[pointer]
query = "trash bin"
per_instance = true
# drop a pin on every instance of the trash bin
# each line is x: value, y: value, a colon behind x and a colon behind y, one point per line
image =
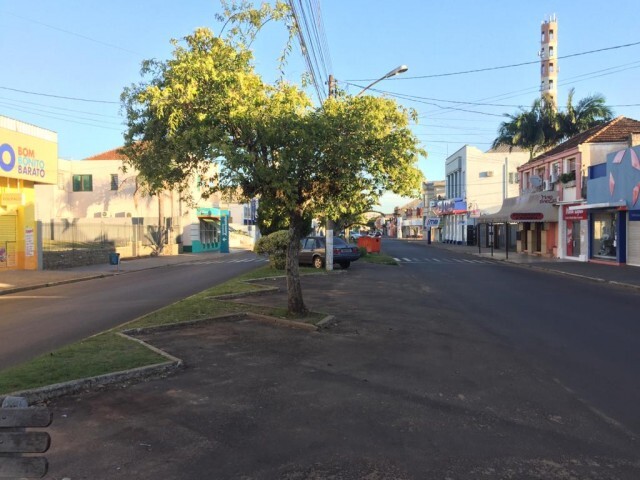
x: 114, y: 258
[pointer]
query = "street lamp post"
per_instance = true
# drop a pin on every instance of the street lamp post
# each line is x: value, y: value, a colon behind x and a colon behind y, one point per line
x: 392, y: 73
x: 328, y: 247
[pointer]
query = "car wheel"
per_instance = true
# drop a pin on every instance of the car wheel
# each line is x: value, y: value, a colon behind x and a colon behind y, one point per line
x: 345, y: 265
x: 317, y: 262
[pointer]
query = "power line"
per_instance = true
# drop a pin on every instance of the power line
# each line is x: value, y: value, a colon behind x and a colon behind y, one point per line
x: 502, y: 67
x: 69, y: 32
x: 58, y: 96
x: 14, y: 101
x: 36, y: 110
x: 411, y: 99
x: 63, y: 119
x: 312, y: 42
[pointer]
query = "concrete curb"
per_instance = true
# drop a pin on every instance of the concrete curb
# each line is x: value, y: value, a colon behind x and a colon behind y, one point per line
x: 261, y: 291
x: 571, y: 274
x: 26, y: 288
x: 325, y: 321
x: 550, y: 269
x: 42, y: 394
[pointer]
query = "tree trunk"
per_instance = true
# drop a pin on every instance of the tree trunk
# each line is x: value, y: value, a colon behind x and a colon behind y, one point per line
x: 295, y: 303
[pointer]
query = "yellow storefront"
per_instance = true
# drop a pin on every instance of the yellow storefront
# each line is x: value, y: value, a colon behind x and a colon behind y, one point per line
x: 28, y: 156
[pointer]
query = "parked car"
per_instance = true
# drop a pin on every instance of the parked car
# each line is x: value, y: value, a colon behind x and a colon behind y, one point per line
x: 354, y: 236
x: 312, y: 252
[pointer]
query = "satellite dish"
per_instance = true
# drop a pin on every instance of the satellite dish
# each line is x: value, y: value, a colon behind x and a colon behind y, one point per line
x: 536, y: 181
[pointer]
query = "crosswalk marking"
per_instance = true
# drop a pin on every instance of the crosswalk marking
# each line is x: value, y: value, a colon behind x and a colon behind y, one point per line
x: 230, y: 260
x: 441, y: 261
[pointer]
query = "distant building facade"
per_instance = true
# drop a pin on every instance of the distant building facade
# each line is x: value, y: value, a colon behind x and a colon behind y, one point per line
x: 476, y: 183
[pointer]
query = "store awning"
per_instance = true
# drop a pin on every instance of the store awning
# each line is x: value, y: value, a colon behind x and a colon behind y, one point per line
x: 533, y: 207
x: 588, y: 206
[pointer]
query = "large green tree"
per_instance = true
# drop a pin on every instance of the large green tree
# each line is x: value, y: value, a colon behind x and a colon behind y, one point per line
x: 207, y: 104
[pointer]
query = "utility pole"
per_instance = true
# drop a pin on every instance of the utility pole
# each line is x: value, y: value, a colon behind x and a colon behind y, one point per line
x: 328, y: 240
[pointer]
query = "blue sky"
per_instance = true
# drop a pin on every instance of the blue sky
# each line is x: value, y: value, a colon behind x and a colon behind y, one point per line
x: 92, y: 50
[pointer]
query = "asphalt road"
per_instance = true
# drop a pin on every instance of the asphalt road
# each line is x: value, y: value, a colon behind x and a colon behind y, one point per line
x: 39, y: 321
x: 586, y: 335
x: 441, y: 368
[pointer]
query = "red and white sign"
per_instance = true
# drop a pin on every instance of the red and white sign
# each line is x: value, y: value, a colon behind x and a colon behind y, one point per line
x: 579, y: 214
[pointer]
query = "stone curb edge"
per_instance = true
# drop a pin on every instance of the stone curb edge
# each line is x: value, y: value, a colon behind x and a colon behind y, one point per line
x: 26, y: 288
x: 571, y: 274
x: 553, y: 270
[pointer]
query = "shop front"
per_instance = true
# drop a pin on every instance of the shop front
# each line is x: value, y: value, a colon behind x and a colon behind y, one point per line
x: 28, y: 156
x: 453, y: 214
x: 613, y: 200
x: 210, y: 233
x: 533, y: 216
x: 573, y: 232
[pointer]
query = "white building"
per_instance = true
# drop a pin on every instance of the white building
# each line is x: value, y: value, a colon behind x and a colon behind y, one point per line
x: 98, y: 191
x: 476, y: 183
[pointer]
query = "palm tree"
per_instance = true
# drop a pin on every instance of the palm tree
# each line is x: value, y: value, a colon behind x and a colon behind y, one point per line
x: 589, y: 112
x: 542, y: 127
x: 533, y: 130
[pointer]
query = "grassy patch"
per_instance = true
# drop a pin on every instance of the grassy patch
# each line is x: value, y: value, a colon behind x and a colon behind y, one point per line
x: 104, y: 353
x: 109, y: 352
x: 379, y: 258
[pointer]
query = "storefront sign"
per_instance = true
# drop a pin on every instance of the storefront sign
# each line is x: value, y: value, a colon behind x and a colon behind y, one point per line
x: 575, y: 214
x: 453, y: 206
x: 432, y: 222
x: 11, y: 199
x: 634, y: 215
x: 27, y: 157
x: 29, y: 244
x: 526, y: 217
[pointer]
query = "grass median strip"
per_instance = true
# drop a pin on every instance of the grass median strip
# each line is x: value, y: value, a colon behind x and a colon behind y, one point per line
x: 109, y: 352
x: 378, y: 258
x: 91, y: 357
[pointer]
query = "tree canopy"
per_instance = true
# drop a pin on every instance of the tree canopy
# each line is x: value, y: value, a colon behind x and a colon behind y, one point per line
x: 207, y: 105
x: 542, y: 126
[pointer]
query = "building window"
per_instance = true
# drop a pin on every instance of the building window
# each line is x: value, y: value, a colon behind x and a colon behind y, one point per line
x: 114, y: 181
x: 550, y: 84
x: 82, y: 183
x: 550, y: 34
x: 514, y: 178
x: 542, y: 36
x: 550, y: 52
x: 542, y: 69
x: 570, y: 165
x: 551, y: 68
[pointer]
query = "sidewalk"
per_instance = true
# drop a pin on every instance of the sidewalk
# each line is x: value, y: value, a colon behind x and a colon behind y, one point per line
x: 14, y: 281
x: 624, y: 275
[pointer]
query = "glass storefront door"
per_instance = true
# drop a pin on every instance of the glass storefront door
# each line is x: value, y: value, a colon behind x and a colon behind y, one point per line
x: 605, y: 242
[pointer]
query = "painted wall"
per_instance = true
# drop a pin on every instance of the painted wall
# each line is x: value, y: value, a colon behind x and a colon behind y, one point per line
x: 621, y: 180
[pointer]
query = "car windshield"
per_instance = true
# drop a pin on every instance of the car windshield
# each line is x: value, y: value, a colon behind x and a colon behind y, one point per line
x: 338, y: 242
